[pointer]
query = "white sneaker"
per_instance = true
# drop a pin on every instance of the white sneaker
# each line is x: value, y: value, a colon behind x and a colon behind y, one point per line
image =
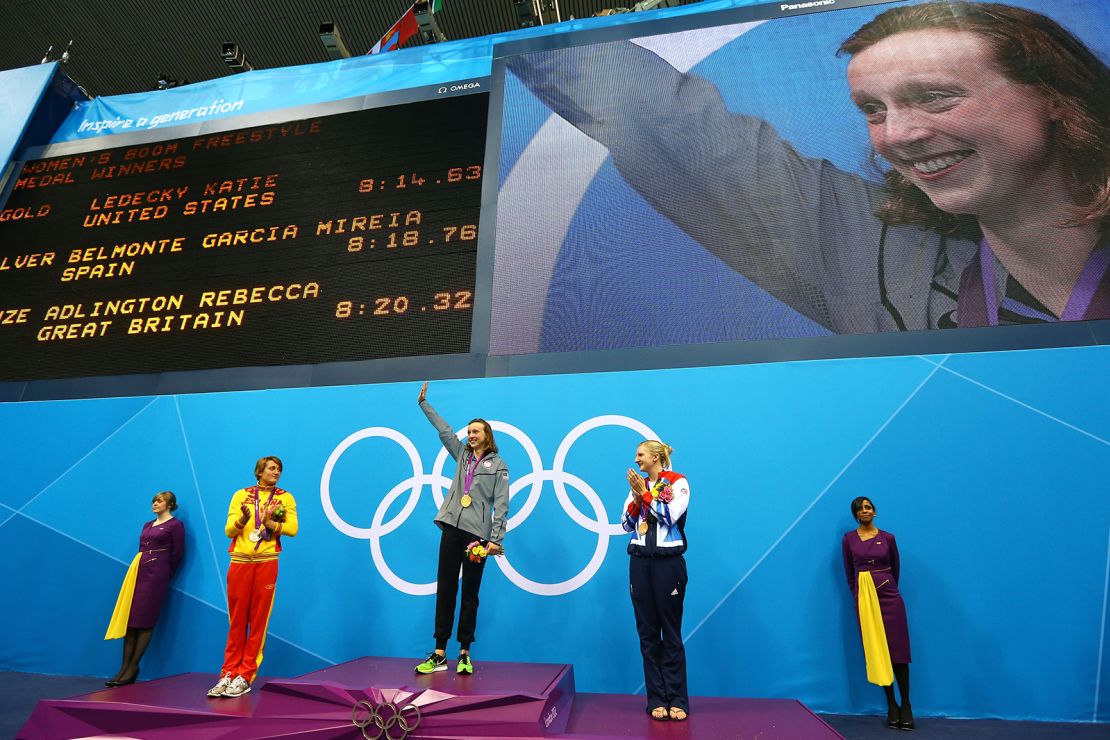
x: 238, y: 687
x: 220, y: 687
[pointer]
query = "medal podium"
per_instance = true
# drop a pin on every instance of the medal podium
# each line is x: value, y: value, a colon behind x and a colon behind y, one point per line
x: 378, y: 698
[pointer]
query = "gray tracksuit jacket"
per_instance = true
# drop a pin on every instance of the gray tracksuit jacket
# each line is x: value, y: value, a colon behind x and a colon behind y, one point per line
x: 487, y: 516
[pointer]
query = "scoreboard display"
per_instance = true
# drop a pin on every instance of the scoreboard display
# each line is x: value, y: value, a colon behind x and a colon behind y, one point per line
x: 344, y: 237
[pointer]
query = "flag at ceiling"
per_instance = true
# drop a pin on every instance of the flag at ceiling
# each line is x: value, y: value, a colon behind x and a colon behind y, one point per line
x: 403, y: 30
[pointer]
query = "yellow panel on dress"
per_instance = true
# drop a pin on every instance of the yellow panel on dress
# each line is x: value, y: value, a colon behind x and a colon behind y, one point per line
x: 875, y: 650
x: 117, y: 627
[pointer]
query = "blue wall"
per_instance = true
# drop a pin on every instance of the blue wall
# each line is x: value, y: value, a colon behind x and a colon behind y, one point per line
x: 988, y: 467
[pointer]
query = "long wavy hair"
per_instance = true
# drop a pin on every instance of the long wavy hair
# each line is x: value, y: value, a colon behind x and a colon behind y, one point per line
x: 1030, y: 49
x: 491, y: 443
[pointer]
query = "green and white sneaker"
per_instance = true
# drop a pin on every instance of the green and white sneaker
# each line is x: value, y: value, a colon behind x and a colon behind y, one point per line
x: 434, y: 663
x: 465, y: 666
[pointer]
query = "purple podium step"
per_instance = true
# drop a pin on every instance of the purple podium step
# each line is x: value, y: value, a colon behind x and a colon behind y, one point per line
x: 607, y: 716
x: 500, y: 700
x: 169, y: 708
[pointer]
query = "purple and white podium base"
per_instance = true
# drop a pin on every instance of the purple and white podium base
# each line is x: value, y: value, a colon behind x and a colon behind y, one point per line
x: 380, y: 698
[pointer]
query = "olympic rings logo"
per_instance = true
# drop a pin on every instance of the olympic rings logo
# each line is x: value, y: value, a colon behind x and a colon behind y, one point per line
x: 559, y: 477
x: 383, y: 718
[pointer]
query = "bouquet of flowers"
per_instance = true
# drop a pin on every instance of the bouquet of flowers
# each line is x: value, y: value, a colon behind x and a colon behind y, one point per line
x: 476, y: 552
x: 278, y: 514
x: 663, y: 491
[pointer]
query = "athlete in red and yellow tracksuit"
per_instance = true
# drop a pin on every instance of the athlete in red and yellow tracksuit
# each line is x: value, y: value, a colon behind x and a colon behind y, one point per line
x: 256, y: 525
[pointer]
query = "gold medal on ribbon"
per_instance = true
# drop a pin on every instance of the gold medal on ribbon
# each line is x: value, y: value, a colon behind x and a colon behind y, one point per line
x: 466, y: 500
x: 642, y: 529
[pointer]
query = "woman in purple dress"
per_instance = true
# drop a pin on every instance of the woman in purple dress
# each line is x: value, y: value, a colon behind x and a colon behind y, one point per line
x: 161, y: 547
x: 868, y: 549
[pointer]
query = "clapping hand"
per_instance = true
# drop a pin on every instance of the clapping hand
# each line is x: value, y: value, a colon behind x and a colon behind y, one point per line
x: 423, y: 393
x: 639, y: 488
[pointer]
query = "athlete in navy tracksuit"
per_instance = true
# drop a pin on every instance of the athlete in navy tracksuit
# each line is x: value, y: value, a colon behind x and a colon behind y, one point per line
x: 655, y: 513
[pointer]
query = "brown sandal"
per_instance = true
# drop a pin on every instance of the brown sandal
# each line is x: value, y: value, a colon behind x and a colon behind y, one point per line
x: 678, y: 714
x: 659, y: 714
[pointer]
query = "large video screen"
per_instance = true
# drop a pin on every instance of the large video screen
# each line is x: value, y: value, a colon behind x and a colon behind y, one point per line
x: 895, y: 167
x: 344, y: 237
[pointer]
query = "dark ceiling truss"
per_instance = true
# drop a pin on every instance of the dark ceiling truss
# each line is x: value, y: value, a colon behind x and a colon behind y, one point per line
x: 122, y: 46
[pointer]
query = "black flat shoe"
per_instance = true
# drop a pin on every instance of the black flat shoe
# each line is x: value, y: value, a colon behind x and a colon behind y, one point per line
x: 111, y: 683
x: 905, y: 719
x: 892, y: 720
x: 906, y: 725
x: 126, y: 681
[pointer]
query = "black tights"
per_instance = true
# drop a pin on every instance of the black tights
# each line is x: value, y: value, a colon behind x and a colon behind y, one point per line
x: 902, y: 676
x: 135, y: 643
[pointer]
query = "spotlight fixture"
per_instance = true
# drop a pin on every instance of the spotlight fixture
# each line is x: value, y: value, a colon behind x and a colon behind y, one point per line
x: 62, y: 59
x: 165, y: 82
x: 233, y: 57
x: 332, y: 41
x: 424, y: 10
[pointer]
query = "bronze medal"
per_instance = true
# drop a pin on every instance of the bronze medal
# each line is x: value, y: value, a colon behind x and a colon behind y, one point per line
x: 466, y: 500
x: 643, y: 528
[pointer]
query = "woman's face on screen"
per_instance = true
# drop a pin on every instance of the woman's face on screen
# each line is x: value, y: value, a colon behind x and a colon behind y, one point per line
x: 945, y: 116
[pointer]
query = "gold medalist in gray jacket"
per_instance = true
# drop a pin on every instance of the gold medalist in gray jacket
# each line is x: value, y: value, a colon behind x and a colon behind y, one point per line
x: 488, y: 513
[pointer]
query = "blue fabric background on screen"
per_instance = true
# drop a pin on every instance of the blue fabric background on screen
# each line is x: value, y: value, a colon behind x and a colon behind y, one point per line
x: 989, y: 468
